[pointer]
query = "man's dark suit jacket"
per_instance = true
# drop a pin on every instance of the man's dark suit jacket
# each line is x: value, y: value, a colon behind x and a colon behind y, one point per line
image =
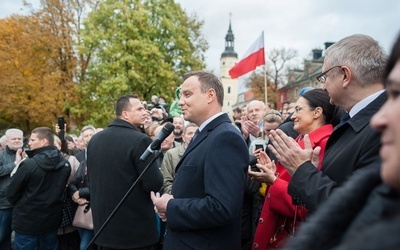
x: 80, y: 156
x: 352, y: 146
x: 208, y: 190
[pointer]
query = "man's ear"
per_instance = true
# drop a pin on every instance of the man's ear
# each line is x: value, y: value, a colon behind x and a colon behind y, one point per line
x: 44, y: 142
x: 211, y: 95
x: 124, y: 115
x: 346, y: 75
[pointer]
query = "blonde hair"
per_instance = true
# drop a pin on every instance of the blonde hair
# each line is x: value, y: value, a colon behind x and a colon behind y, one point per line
x: 57, y: 140
x: 273, y: 115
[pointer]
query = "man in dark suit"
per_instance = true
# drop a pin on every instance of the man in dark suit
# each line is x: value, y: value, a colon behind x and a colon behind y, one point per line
x: 352, y: 75
x: 204, y: 210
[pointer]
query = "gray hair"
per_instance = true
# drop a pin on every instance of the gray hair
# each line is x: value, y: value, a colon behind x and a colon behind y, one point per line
x: 87, y: 128
x: 13, y: 130
x: 2, y: 139
x: 362, y: 54
x: 258, y: 102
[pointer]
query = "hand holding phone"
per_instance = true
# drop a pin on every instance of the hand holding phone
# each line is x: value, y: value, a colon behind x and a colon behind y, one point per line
x: 258, y: 146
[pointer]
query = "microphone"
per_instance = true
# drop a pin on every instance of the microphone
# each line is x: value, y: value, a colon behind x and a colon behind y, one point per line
x: 156, y: 144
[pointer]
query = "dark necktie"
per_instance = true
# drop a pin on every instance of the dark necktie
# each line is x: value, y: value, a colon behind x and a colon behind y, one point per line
x: 344, y: 118
x: 195, y: 134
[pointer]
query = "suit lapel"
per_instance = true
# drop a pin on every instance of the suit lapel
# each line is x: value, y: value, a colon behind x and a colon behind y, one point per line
x: 203, y: 135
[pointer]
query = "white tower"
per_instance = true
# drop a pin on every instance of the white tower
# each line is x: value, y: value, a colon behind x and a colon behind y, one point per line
x: 228, y: 59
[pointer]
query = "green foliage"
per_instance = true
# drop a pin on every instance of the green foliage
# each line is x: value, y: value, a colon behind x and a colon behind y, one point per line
x: 140, y: 47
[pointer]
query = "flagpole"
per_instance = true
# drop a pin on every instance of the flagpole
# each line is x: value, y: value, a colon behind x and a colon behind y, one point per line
x: 265, y: 74
x: 265, y: 85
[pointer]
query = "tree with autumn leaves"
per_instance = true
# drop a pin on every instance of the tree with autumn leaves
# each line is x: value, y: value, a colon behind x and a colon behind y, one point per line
x: 36, y: 73
x: 65, y: 60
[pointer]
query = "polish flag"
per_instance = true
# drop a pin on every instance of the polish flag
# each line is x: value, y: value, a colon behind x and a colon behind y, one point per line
x: 253, y: 58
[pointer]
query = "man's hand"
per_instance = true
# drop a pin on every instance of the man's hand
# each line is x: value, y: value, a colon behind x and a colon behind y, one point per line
x: 245, y: 131
x: 288, y: 151
x: 19, y: 156
x: 160, y: 204
x: 254, y: 129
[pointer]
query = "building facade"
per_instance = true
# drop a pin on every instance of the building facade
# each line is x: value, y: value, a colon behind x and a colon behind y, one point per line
x: 300, y: 78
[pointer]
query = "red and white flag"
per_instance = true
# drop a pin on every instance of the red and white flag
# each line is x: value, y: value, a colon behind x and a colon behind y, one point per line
x: 253, y: 58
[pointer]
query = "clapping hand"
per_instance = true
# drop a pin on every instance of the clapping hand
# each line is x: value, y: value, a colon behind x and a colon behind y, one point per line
x: 289, y: 153
x: 267, y: 169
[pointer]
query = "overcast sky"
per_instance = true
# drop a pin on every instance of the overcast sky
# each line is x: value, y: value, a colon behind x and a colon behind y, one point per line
x: 298, y: 24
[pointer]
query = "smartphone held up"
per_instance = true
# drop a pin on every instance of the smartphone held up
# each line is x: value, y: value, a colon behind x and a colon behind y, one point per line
x: 61, y: 124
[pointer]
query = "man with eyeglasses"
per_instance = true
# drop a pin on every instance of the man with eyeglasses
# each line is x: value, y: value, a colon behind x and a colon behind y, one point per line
x: 352, y: 75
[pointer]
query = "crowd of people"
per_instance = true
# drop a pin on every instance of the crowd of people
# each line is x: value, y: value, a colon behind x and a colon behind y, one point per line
x: 322, y: 172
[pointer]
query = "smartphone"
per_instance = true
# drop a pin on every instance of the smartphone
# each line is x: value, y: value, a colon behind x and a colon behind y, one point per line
x: 61, y: 123
x: 260, y: 146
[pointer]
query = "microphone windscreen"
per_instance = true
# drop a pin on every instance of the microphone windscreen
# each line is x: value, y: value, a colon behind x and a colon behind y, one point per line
x: 168, y: 128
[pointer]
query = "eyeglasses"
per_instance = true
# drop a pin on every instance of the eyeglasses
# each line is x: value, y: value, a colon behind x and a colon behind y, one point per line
x: 322, y: 77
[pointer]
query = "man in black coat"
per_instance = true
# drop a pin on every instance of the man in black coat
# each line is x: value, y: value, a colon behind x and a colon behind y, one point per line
x: 353, y: 72
x: 113, y: 166
x: 37, y: 192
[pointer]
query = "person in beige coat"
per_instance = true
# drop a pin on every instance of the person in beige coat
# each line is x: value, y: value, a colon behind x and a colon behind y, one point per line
x: 173, y: 156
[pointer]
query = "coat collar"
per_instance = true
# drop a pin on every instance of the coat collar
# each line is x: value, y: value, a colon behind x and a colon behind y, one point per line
x: 10, y: 151
x: 363, y: 117
x: 317, y: 135
x: 203, y: 135
x: 121, y: 123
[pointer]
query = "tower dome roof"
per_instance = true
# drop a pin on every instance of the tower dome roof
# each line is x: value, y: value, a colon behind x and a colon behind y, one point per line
x: 229, y: 44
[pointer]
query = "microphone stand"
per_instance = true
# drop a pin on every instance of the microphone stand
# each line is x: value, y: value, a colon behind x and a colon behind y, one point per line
x: 157, y: 153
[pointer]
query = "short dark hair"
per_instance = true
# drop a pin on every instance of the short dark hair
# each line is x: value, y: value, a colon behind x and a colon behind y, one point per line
x: 207, y: 81
x: 44, y: 133
x: 123, y: 103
